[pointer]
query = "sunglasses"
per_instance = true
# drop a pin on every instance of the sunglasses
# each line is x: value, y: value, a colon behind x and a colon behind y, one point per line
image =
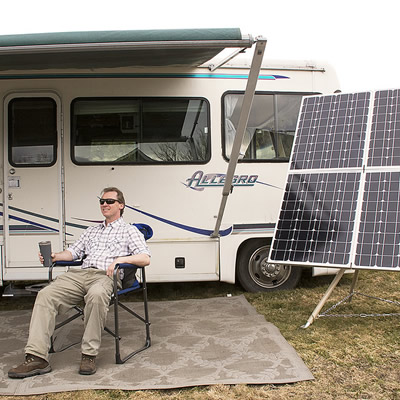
x: 108, y: 201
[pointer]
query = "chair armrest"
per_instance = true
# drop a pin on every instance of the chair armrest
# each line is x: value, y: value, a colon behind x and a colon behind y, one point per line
x: 126, y: 265
x: 129, y: 281
x: 64, y: 264
x: 68, y: 263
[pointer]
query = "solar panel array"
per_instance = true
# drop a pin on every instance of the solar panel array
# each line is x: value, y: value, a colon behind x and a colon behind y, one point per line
x: 341, y: 202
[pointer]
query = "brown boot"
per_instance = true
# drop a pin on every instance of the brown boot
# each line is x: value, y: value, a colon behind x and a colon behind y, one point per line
x: 32, y: 366
x: 88, y: 365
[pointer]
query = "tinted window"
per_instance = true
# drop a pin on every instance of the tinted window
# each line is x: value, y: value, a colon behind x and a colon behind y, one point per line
x: 32, y: 131
x: 270, y: 129
x: 145, y: 130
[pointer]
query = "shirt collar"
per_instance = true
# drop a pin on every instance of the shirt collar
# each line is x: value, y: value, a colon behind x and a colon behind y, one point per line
x: 115, y: 223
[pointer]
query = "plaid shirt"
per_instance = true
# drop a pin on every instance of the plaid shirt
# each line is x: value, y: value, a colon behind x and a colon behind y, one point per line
x: 103, y: 244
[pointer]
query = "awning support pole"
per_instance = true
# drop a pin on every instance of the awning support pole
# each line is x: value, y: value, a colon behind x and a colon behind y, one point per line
x: 244, y: 117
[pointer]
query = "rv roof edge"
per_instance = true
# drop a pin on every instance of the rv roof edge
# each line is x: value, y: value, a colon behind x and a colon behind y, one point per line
x: 243, y: 119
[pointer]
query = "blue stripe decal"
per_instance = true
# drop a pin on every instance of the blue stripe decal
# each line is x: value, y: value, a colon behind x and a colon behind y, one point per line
x: 56, y: 220
x: 32, y: 223
x: 127, y: 75
x: 27, y: 228
x: 199, y: 231
x: 41, y: 226
x: 41, y: 216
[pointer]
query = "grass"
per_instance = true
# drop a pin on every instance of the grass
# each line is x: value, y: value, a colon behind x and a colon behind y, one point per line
x: 350, y: 358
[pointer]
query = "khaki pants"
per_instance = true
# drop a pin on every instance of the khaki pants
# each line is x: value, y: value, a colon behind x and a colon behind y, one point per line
x: 91, y: 285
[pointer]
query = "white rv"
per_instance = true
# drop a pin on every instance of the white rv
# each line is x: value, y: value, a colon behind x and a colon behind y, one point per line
x: 154, y: 113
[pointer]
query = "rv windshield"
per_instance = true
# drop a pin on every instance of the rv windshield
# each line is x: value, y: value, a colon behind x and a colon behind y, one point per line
x: 140, y: 131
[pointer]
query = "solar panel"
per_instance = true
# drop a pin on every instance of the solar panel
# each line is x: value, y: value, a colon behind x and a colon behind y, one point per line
x: 317, y: 219
x: 378, y: 242
x: 341, y: 202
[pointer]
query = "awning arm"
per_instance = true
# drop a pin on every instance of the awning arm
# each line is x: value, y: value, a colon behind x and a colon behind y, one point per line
x: 243, y: 119
x: 213, y: 67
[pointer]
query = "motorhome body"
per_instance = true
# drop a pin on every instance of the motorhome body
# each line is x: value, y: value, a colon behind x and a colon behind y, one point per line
x: 164, y: 136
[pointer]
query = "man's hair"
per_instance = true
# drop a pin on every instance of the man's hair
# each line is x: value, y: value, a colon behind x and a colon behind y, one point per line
x: 120, y: 196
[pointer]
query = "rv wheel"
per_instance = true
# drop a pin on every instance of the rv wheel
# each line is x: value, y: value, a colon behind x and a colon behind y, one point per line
x: 255, y: 274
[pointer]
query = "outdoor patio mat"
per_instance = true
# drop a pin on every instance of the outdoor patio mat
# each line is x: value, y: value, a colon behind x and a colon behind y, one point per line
x: 194, y: 342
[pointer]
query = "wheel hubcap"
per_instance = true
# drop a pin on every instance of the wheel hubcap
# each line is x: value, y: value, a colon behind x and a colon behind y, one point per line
x: 266, y: 274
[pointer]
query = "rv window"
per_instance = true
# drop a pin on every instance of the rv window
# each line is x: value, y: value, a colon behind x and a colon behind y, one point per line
x: 140, y: 131
x: 270, y: 129
x: 32, y: 132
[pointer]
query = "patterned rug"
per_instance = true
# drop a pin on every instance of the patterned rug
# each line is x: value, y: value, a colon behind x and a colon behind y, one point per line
x: 194, y: 342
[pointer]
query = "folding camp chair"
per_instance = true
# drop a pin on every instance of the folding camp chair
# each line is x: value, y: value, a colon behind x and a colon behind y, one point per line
x: 130, y: 284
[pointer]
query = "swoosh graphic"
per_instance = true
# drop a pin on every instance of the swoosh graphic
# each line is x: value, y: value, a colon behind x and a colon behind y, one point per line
x: 205, y: 232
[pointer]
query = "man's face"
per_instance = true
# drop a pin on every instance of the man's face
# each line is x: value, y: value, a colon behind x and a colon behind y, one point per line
x: 111, y: 212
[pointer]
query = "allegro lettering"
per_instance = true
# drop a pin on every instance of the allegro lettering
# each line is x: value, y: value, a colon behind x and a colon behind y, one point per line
x: 199, y: 180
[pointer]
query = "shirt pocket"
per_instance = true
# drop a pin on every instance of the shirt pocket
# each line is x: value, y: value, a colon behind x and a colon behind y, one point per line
x: 92, y: 245
x: 116, y: 248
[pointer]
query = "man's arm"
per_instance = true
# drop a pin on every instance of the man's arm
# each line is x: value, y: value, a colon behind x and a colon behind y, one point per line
x: 141, y: 259
x: 65, y: 255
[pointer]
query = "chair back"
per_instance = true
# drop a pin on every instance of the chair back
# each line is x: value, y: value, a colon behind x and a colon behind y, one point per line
x: 145, y: 230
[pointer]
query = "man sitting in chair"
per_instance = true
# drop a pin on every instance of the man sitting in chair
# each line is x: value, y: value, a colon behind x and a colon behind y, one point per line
x: 105, y: 245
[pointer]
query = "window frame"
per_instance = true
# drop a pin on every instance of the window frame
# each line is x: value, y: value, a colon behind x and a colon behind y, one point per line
x: 134, y: 98
x: 223, y: 125
x: 10, y: 126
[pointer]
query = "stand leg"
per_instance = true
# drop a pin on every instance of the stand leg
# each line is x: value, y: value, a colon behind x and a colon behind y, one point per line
x: 324, y: 299
x: 353, y: 283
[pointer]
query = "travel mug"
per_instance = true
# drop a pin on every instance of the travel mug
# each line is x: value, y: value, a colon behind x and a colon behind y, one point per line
x: 45, y: 251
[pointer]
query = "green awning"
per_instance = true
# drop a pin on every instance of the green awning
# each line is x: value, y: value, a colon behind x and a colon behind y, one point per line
x: 183, y: 47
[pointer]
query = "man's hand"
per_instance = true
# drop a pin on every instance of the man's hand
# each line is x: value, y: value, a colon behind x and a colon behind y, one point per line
x: 41, y: 259
x: 111, y: 267
x: 139, y: 259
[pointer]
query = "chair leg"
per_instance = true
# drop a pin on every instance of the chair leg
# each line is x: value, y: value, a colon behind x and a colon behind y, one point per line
x: 116, y: 332
x: 146, y: 312
x: 118, y: 358
x: 145, y: 320
x: 79, y: 313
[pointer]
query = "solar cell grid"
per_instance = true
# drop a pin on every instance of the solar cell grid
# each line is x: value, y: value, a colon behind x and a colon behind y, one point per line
x: 385, y: 131
x: 331, y: 132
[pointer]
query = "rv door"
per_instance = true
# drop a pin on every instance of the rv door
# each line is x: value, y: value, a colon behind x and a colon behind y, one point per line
x: 33, y: 198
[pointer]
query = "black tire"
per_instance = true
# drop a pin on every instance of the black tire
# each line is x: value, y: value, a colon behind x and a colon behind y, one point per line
x: 255, y: 274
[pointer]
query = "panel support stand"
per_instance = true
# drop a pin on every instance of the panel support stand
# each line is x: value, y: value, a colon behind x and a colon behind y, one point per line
x: 353, y: 283
x: 317, y: 312
x: 324, y: 299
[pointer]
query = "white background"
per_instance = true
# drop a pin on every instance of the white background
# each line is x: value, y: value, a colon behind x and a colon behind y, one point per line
x: 359, y: 38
